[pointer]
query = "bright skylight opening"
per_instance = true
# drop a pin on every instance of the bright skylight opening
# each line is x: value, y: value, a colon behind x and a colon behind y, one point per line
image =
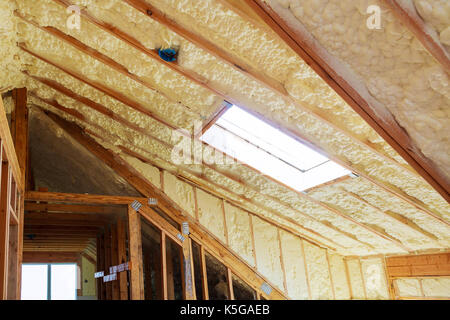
x: 256, y: 143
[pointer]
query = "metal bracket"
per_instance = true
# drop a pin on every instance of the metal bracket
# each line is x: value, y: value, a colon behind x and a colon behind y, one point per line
x: 266, y: 288
x: 185, y: 227
x: 180, y: 236
x: 152, y: 201
x: 136, y: 205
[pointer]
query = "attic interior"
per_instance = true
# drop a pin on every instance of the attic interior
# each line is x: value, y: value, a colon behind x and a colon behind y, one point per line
x: 225, y: 149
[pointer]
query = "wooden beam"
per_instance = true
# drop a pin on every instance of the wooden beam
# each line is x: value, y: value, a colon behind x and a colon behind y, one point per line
x: 101, y: 290
x: 204, y: 274
x: 385, y: 125
x: 114, y: 261
x: 418, y: 265
x: 108, y: 262
x: 122, y: 256
x: 164, y: 265
x: 9, y: 152
x: 49, y: 257
x: 239, y: 65
x: 213, y: 168
x: 72, y: 208
x: 4, y: 228
x: 230, y: 284
x: 135, y: 247
x: 396, y: 217
x: 80, y: 198
x: 410, y: 18
x: 264, y: 79
x: 164, y: 203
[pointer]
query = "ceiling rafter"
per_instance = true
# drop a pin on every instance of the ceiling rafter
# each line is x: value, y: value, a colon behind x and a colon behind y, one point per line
x: 102, y: 58
x: 120, y: 97
x: 60, y: 121
x: 222, y: 55
x: 372, y: 230
x: 234, y: 179
x: 419, y: 28
x: 397, y: 217
x: 335, y: 211
x: 385, y: 126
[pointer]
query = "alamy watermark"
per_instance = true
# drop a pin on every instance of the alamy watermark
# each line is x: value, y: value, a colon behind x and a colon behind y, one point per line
x: 74, y: 19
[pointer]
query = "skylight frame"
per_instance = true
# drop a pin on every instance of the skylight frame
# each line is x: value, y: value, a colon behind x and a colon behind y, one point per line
x: 225, y: 135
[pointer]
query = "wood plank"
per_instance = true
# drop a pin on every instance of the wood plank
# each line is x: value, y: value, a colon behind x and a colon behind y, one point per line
x: 49, y: 257
x: 135, y: 243
x: 122, y: 256
x: 114, y: 261
x: 230, y: 284
x: 9, y: 153
x: 385, y: 125
x: 101, y: 290
x: 80, y: 198
x: 4, y: 228
x: 108, y: 262
x: 72, y: 208
x: 204, y: 274
x: 164, y: 265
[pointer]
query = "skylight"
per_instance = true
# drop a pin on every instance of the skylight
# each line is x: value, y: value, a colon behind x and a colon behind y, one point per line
x: 250, y: 140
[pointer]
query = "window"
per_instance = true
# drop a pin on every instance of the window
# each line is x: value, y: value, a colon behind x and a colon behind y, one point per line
x: 49, y: 281
x: 250, y: 140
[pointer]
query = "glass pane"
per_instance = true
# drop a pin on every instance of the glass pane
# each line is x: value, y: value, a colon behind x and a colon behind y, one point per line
x: 242, y: 291
x: 252, y: 141
x: 151, y: 256
x: 34, y: 282
x: 64, y: 281
x: 216, y: 273
x: 174, y: 260
x: 197, y: 259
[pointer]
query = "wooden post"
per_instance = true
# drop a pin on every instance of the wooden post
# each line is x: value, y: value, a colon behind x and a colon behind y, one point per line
x: 164, y: 264
x: 188, y: 284
x: 230, y: 284
x: 107, y: 254
x: 204, y: 274
x: 20, y: 139
x: 137, y: 277
x: 122, y: 257
x: 4, y: 229
x: 114, y: 261
x: 100, y: 267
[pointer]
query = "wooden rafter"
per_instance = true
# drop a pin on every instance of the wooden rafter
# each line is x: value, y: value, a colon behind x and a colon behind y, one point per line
x: 118, y: 96
x: 166, y: 205
x: 419, y: 28
x: 385, y: 126
x: 79, y: 198
x: 204, y: 83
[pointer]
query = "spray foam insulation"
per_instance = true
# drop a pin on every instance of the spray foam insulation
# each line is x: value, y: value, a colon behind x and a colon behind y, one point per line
x: 180, y: 192
x: 436, y: 14
x: 408, y: 287
x: 10, y: 61
x: 318, y: 272
x: 436, y: 287
x: 239, y: 232
x: 393, y: 66
x: 268, y: 252
x: 213, y: 23
x: 210, y: 214
x: 356, y: 280
x: 294, y: 266
x: 374, y: 279
x: 354, y: 247
x: 339, y: 277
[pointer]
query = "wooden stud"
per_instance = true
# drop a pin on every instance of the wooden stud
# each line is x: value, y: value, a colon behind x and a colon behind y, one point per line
x: 384, y: 125
x: 282, y: 261
x: 204, y: 274
x: 306, y: 269
x: 122, y: 256
x: 252, y: 234
x: 225, y: 229
x: 114, y: 261
x: 135, y: 242
x: 164, y: 265
x: 4, y: 229
x: 230, y: 284
x: 347, y: 273
x: 331, y: 275
x: 80, y: 198
x: 363, y: 279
